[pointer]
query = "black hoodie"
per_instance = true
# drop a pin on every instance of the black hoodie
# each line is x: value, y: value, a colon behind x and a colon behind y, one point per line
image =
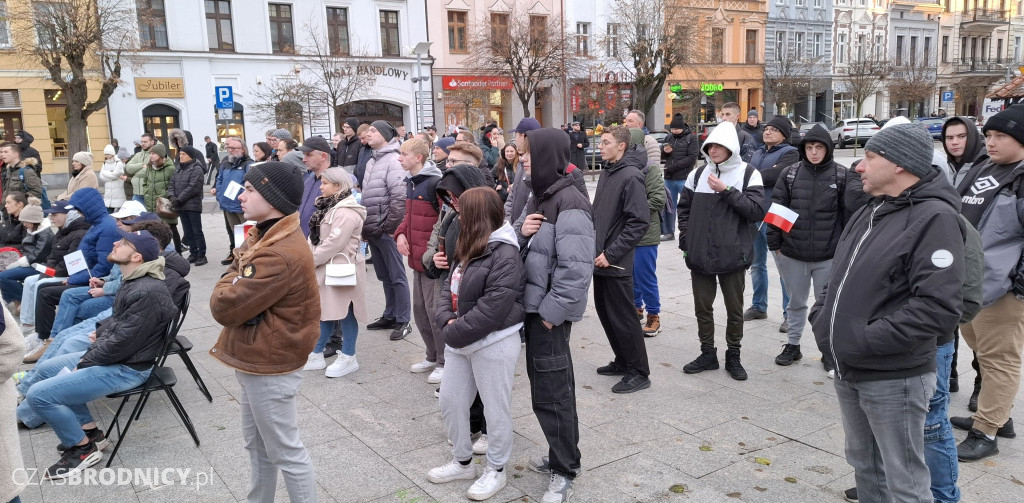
x: 973, y: 154
x: 28, y: 151
x: 456, y: 179
x: 895, y: 286
x: 348, y: 148
x: 621, y: 212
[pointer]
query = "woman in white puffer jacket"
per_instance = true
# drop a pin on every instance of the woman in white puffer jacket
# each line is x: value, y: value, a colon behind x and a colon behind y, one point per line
x: 110, y: 177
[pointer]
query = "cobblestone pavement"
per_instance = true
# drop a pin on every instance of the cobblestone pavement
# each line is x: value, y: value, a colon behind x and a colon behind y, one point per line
x: 374, y: 434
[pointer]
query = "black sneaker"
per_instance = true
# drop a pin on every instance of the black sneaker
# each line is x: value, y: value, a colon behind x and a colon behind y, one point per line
x: 977, y: 446
x: 972, y: 404
x: 733, y: 365
x: 708, y: 360
x: 201, y: 260
x: 191, y: 259
x: 850, y: 494
x: 967, y: 423
x: 790, y: 353
x: 382, y: 323
x: 612, y: 369
x: 401, y: 330
x: 97, y: 437
x: 631, y: 382
x: 954, y: 384
x: 331, y: 349
x: 754, y: 314
x: 74, y: 460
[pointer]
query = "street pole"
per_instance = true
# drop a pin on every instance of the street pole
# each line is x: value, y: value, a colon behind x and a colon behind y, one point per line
x: 419, y: 91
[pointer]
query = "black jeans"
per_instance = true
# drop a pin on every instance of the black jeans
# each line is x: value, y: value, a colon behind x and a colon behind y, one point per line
x: 192, y: 221
x: 704, y: 291
x: 47, y: 299
x: 553, y: 392
x: 613, y: 299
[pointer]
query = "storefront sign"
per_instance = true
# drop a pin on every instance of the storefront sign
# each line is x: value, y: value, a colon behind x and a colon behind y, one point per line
x: 159, y: 87
x: 382, y: 71
x: 710, y: 89
x: 475, y: 82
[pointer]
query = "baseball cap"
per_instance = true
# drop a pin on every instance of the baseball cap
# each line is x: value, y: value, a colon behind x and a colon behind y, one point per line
x: 527, y: 124
x: 145, y: 216
x: 58, y: 207
x: 316, y: 143
x: 129, y: 209
x: 144, y: 243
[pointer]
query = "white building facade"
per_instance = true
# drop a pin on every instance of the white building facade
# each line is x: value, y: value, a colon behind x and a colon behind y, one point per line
x: 261, y: 49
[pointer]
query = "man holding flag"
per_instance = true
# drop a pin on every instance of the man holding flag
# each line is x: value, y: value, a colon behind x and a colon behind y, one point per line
x: 811, y: 203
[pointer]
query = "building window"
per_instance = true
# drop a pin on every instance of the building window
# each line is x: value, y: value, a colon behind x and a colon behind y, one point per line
x: 999, y: 50
x: 389, y: 33
x: 218, y: 25
x: 926, y: 56
x: 152, y: 24
x: 1016, y: 49
x: 612, y: 40
x: 913, y: 51
x: 861, y: 46
x: 799, y: 46
x: 337, y: 30
x: 780, y: 45
x: 56, y: 108
x: 718, y: 45
x: 582, y: 39
x: 5, y: 26
x: 963, y: 50
x: 45, y: 33
x: 816, y: 49
x: 817, y: 4
x: 456, y: 31
x: 801, y: 3
x: 499, y: 27
x: 282, y: 38
x: 751, y: 47
x: 538, y: 29
x: 899, y: 50
x: 945, y: 48
x: 841, y: 48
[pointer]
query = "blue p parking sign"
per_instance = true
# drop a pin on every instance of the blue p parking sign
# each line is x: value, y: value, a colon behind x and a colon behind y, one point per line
x: 225, y: 98
x: 947, y: 96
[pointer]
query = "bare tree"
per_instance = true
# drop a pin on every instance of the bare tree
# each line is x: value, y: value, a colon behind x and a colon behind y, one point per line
x: 77, y: 42
x: 912, y: 80
x: 471, y: 102
x: 275, y: 103
x: 651, y: 38
x: 597, y: 98
x: 337, y: 72
x: 862, y: 78
x: 531, y: 49
x: 787, y: 81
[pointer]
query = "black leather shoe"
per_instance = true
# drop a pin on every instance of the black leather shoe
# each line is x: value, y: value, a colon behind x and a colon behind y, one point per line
x: 631, y: 382
x: 976, y: 446
x: 967, y: 423
x: 201, y: 260
x: 972, y: 404
x: 612, y: 369
x: 331, y: 349
x: 382, y: 323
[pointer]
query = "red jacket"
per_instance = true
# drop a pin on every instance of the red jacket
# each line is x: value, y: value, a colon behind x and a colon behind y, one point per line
x: 421, y: 211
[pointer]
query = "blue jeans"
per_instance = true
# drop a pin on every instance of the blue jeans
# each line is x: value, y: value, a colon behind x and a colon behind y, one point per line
x: 675, y: 187
x: 139, y: 198
x: 76, y: 305
x: 645, y: 279
x: 73, y: 339
x: 62, y: 400
x: 939, y: 444
x: 759, y: 272
x: 28, y: 296
x: 11, y: 285
x: 349, y: 332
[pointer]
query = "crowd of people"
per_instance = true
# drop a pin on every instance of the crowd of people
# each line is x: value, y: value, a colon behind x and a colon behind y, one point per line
x: 888, y: 260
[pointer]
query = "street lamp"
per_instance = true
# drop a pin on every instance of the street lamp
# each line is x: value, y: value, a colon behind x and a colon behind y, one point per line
x: 421, y: 49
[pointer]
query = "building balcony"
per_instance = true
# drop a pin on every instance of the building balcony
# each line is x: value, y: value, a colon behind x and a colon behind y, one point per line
x: 978, y: 67
x: 984, y: 18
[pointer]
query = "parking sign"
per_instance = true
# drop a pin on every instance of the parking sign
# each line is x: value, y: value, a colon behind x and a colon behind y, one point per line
x: 947, y: 96
x: 225, y: 98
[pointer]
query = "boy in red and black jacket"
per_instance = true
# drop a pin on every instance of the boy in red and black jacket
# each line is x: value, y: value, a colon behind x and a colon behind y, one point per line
x: 421, y: 211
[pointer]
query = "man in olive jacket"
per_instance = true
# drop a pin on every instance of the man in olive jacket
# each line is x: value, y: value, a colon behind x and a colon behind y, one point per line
x: 269, y: 304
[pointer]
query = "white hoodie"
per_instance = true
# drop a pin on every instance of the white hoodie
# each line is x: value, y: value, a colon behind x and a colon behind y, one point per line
x: 731, y: 171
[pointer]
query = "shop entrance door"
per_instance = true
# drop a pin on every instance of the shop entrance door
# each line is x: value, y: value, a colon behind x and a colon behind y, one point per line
x: 10, y: 123
x: 159, y: 120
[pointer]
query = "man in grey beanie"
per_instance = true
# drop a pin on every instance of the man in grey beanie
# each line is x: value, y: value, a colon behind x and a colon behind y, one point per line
x: 894, y: 290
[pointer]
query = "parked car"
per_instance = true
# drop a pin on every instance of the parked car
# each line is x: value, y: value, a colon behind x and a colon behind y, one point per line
x: 848, y: 131
x: 934, y: 125
x: 659, y: 135
x: 593, y: 153
x: 807, y: 126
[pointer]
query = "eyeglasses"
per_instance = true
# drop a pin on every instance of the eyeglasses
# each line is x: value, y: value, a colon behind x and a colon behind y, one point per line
x: 125, y: 242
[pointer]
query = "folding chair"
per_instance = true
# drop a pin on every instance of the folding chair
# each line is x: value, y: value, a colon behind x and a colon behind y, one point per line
x: 181, y: 346
x: 161, y: 378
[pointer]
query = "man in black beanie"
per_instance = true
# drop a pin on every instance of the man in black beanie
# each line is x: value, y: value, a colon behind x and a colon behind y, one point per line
x: 269, y: 304
x: 992, y: 196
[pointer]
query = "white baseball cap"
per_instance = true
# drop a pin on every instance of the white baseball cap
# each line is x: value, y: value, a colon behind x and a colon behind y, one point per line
x: 129, y: 209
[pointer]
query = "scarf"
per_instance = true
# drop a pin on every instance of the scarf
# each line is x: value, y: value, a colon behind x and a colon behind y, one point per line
x: 323, y: 204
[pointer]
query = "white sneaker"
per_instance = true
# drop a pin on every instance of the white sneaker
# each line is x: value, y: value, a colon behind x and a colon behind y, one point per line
x: 487, y: 485
x: 421, y: 367
x: 344, y: 365
x: 480, y: 446
x: 315, y: 361
x: 435, y: 376
x: 452, y: 470
x: 32, y: 343
x: 831, y: 374
x: 560, y: 489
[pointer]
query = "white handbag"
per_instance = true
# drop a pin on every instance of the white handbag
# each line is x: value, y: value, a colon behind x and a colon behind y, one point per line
x: 340, y: 274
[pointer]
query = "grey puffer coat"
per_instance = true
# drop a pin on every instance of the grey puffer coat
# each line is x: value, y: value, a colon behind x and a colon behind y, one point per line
x: 383, y: 192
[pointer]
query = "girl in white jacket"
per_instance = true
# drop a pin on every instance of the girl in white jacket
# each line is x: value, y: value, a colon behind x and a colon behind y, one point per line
x: 110, y: 177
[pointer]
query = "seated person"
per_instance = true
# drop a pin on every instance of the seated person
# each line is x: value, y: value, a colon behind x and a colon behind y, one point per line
x: 11, y: 229
x: 35, y: 247
x: 72, y: 228
x: 126, y: 346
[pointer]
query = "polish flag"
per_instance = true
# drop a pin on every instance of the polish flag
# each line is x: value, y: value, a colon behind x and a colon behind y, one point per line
x: 781, y: 217
x: 49, y: 271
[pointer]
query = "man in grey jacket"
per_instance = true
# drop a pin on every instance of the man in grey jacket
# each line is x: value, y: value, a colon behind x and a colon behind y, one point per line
x: 558, y: 229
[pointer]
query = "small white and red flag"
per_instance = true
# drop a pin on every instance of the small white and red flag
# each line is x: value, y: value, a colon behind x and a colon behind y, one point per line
x: 49, y: 271
x: 781, y: 217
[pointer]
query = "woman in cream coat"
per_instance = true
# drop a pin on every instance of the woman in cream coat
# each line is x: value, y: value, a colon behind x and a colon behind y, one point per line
x: 334, y: 234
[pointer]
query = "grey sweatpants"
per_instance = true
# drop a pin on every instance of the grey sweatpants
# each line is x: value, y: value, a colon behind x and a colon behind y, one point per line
x: 271, y: 431
x: 424, y: 303
x: 489, y: 371
x: 797, y: 276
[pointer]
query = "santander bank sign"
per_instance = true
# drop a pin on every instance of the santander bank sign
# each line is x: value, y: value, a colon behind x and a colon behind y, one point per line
x: 475, y: 82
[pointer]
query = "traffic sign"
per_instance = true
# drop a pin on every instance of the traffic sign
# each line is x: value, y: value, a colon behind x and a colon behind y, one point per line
x: 224, y: 114
x: 225, y: 98
x: 947, y: 96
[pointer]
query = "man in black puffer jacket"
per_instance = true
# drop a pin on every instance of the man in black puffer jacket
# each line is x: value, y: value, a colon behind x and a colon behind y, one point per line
x: 824, y: 197
x: 680, y: 154
x: 24, y: 140
x: 126, y: 346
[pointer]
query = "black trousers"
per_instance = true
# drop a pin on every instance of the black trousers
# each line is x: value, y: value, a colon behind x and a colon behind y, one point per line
x: 192, y: 221
x: 47, y: 299
x: 705, y: 288
x: 974, y: 361
x: 553, y: 392
x: 613, y: 298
